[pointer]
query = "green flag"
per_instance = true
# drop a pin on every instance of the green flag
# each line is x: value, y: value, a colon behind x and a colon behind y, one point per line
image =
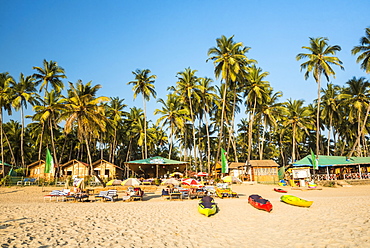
x: 315, y: 163
x: 224, y: 166
x: 49, y: 163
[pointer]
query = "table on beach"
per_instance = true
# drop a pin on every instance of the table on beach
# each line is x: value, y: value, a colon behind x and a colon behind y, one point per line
x: 176, y: 194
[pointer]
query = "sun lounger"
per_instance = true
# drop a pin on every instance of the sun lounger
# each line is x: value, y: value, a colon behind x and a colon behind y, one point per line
x: 111, y: 195
x: 101, y: 194
x: 139, y: 193
x: 57, y: 194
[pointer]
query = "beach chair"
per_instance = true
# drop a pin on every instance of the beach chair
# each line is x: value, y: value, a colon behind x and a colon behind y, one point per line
x: 111, y: 195
x: 139, y: 193
x: 165, y: 193
x: 57, y: 194
x: 101, y: 195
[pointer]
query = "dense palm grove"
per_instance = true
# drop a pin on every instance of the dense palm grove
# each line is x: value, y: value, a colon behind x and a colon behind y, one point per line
x: 195, y: 119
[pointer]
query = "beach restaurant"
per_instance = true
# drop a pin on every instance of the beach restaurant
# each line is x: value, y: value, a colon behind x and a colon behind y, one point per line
x: 156, y: 167
x: 338, y: 167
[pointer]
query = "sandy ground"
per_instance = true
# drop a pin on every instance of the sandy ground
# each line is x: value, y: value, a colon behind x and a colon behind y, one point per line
x: 339, y: 217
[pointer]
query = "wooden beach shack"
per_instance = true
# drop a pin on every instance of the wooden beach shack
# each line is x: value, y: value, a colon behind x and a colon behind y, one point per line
x: 338, y: 167
x: 156, y: 167
x: 105, y: 169
x: 36, y: 170
x: 75, y: 168
x: 263, y: 171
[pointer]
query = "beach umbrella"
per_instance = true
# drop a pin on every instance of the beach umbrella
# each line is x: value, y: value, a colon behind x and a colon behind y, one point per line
x: 131, y: 182
x: 177, y: 174
x: 190, y: 182
x: 202, y: 174
x: 114, y: 182
x: 231, y: 179
x: 171, y: 181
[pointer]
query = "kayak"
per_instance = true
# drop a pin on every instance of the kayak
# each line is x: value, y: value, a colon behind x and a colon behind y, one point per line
x: 258, y: 202
x: 207, y: 210
x: 280, y: 190
x: 296, y: 201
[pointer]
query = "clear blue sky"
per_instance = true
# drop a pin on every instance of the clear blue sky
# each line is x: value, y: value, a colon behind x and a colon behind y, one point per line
x: 104, y: 41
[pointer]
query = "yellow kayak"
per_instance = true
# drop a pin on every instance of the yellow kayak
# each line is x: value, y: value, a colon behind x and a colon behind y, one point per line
x: 208, y: 208
x: 296, y: 201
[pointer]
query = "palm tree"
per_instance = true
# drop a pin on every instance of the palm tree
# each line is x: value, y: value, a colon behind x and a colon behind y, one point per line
x: 144, y: 85
x: 173, y: 115
x: 357, y: 97
x: 187, y: 88
x: 319, y: 63
x: 23, y: 93
x: 296, y: 116
x: 5, y: 104
x: 51, y: 74
x: 365, y: 49
x: 330, y: 102
x: 207, y: 99
x: 115, y: 114
x: 47, y: 113
x: 84, y: 112
x: 229, y: 59
x: 257, y: 92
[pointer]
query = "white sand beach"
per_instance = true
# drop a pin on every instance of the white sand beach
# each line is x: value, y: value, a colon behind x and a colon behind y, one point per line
x: 339, y: 217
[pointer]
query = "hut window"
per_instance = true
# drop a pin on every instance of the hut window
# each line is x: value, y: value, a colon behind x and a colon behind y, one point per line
x: 107, y: 173
x: 69, y: 173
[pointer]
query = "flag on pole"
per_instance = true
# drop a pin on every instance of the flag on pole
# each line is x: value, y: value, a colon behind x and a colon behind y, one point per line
x: 224, y: 166
x: 315, y: 162
x: 49, y: 163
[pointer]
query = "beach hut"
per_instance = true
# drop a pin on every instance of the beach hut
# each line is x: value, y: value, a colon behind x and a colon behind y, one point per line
x: 235, y: 169
x: 337, y: 167
x: 263, y: 171
x: 105, y: 169
x: 37, y: 170
x: 74, y: 168
x: 156, y: 167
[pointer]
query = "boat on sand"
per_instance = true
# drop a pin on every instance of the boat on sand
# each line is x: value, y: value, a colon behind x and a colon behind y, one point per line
x: 296, y: 201
x: 260, y: 203
x: 207, y: 206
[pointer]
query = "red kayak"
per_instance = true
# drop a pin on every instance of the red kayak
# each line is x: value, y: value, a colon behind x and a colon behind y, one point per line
x: 280, y: 190
x: 258, y: 202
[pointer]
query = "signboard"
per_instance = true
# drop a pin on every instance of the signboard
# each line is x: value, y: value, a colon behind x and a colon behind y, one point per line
x: 301, y: 173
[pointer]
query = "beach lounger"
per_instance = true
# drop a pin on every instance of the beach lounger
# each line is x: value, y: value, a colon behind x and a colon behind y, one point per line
x: 57, y: 194
x: 101, y: 195
x: 139, y: 193
x: 111, y: 195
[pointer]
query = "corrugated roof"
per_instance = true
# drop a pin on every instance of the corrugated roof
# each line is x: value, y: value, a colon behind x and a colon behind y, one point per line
x: 156, y: 160
x: 333, y: 161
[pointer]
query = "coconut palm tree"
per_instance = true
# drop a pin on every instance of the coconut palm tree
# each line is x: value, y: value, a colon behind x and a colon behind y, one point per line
x: 256, y: 93
x: 296, y: 116
x: 47, y: 113
x: 330, y: 107
x: 23, y: 93
x: 364, y: 49
x: 50, y: 74
x: 187, y: 88
x: 85, y: 113
x: 174, y: 115
x: 115, y: 114
x: 144, y: 85
x: 320, y: 61
x: 357, y: 97
x: 5, y: 104
x: 229, y: 59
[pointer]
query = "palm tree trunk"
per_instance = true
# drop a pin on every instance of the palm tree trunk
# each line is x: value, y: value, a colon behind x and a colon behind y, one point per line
x: 293, y: 145
x: 222, y: 119
x: 362, y: 131
x: 1, y: 140
x: 22, y: 137
x: 41, y: 137
x: 330, y: 128
x: 146, y: 149
x: 208, y: 146
x: 89, y: 156
x: 250, y: 129
x: 318, y: 117
x: 194, y: 140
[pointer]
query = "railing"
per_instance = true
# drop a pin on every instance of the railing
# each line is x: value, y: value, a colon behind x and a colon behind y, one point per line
x: 356, y: 176
x: 322, y: 177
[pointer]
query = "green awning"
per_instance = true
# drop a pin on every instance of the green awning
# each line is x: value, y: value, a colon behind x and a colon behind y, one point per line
x: 156, y: 160
x: 333, y: 161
